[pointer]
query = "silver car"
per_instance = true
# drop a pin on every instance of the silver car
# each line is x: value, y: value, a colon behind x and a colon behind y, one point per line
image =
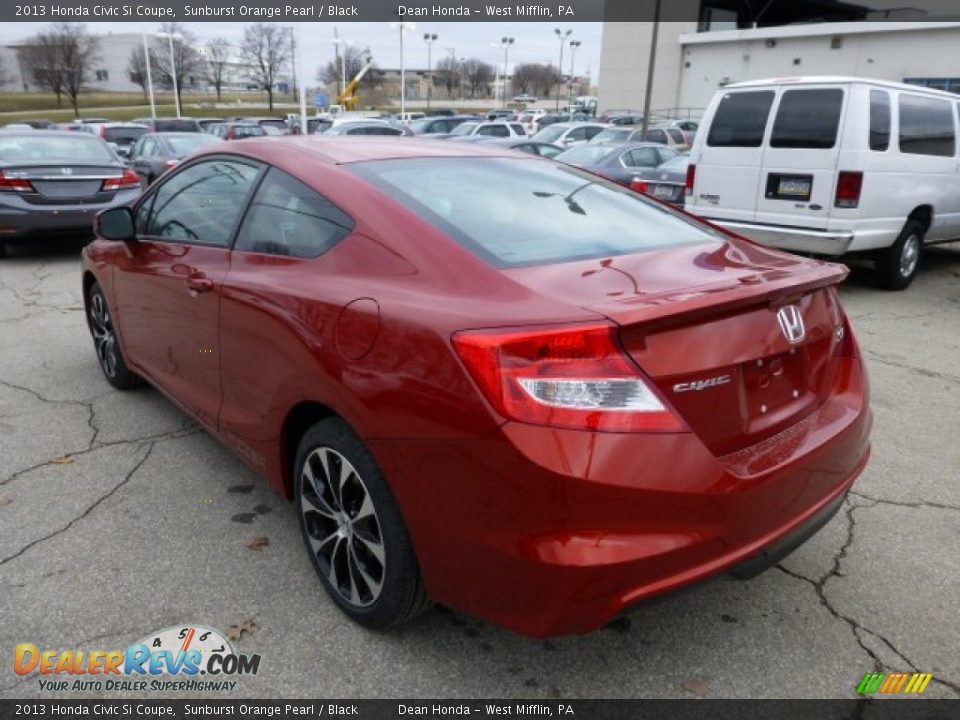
x: 54, y: 182
x: 569, y: 134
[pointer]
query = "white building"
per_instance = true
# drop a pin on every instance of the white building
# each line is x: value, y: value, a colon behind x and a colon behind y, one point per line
x: 691, y: 64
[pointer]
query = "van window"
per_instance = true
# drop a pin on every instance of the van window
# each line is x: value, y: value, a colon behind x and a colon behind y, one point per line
x: 926, y: 126
x: 807, y: 118
x: 879, y: 120
x: 740, y: 119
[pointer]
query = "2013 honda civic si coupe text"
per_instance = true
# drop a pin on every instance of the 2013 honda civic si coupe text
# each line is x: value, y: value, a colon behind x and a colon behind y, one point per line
x: 486, y: 379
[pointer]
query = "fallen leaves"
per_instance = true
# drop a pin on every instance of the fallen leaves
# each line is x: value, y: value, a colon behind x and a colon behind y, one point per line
x: 65, y: 460
x: 5, y: 501
x: 696, y: 686
x: 235, y: 632
x: 259, y: 543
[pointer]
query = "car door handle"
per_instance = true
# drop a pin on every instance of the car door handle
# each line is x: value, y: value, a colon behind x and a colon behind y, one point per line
x: 200, y: 284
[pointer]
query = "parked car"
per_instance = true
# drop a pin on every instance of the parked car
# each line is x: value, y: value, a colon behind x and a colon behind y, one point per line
x: 667, y: 135
x: 501, y: 114
x: 618, y: 135
x: 526, y: 145
x: 621, y: 117
x: 206, y: 123
x: 440, y: 125
x: 525, y: 98
x: 154, y: 154
x: 687, y: 127
x: 619, y: 163
x: 170, y: 124
x: 369, y: 126
x: 53, y: 182
x: 39, y: 124
x: 17, y: 127
x: 476, y: 372
x: 530, y: 119
x: 236, y: 130
x: 408, y: 117
x: 569, y: 134
x: 832, y: 165
x: 119, y: 136
x: 491, y: 129
x: 278, y: 124
x: 667, y: 181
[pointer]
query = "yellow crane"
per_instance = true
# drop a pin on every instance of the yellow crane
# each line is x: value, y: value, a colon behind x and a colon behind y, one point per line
x: 349, y: 99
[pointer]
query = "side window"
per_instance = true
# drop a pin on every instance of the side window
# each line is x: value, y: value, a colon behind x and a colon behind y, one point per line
x: 443, y: 126
x: 665, y: 154
x: 578, y: 133
x: 879, y: 120
x: 288, y: 218
x: 548, y: 151
x: 642, y: 157
x: 740, y: 119
x: 657, y: 136
x: 143, y: 215
x: 926, y: 126
x: 676, y: 136
x: 202, y: 204
x: 494, y: 131
x: 518, y: 129
x: 137, y: 148
x: 807, y: 119
x: 590, y: 132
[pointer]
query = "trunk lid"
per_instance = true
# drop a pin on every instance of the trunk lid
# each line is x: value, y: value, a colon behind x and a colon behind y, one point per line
x: 65, y: 181
x: 702, y: 322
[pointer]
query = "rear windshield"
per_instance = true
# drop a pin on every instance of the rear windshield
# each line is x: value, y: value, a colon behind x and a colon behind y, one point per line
x: 186, y: 144
x: 551, y: 133
x: 246, y: 131
x: 611, y: 135
x: 176, y: 126
x: 77, y: 147
x: 584, y: 155
x: 807, y: 118
x: 123, y: 135
x: 740, y: 119
x: 517, y: 212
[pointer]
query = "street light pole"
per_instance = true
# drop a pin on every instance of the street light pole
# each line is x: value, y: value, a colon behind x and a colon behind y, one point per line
x: 563, y: 36
x: 146, y: 59
x: 173, y: 66
x: 404, y: 26
x: 506, y: 42
x: 429, y: 39
x: 653, y: 58
x: 574, y: 44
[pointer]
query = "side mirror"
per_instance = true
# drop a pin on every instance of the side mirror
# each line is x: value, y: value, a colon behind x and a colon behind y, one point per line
x: 115, y: 224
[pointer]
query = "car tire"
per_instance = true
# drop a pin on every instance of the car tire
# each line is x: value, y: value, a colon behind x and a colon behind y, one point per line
x: 355, y: 536
x: 106, y: 344
x: 897, y: 266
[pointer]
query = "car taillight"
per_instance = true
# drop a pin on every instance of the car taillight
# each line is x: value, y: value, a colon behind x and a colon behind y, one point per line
x: 849, y: 185
x: 129, y: 179
x: 639, y: 185
x: 13, y: 184
x: 572, y: 377
x: 103, y: 131
x: 691, y: 177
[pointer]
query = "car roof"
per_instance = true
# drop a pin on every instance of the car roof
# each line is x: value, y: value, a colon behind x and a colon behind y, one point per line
x: 174, y: 134
x: 51, y: 133
x: 345, y: 149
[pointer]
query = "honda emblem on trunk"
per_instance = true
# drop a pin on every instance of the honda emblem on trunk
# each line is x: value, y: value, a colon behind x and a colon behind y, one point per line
x: 791, y: 323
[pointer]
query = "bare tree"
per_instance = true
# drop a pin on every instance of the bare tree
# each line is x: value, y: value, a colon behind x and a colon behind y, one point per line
x: 265, y: 50
x: 137, y: 69
x: 478, y: 75
x: 218, y: 57
x: 354, y: 60
x: 41, y: 60
x: 446, y: 74
x: 188, y: 62
x: 62, y: 59
x: 525, y: 78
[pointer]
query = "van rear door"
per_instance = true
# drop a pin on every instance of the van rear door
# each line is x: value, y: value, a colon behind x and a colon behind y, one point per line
x: 799, y: 166
x: 730, y: 157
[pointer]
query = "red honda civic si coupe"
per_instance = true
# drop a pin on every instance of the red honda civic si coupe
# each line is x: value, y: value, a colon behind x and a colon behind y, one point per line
x: 486, y: 379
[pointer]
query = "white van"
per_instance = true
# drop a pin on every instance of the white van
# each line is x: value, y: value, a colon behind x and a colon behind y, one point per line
x: 832, y: 165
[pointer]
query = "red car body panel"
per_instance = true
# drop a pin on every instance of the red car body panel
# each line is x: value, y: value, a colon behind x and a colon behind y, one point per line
x: 543, y: 530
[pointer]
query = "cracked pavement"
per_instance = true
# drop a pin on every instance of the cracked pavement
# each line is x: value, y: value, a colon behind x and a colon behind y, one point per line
x: 118, y: 517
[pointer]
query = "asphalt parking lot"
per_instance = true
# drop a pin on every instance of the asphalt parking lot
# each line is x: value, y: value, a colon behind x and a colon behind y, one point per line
x: 119, y: 517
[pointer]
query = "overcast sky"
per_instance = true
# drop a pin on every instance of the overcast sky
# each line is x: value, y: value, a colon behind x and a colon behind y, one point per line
x: 535, y: 42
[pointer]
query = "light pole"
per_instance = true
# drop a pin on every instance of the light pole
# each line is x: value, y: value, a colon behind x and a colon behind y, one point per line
x: 429, y: 39
x: 574, y: 44
x: 650, y: 65
x: 341, y: 45
x: 173, y: 66
x: 146, y: 60
x: 563, y: 37
x: 293, y: 54
x: 506, y: 43
x: 404, y: 26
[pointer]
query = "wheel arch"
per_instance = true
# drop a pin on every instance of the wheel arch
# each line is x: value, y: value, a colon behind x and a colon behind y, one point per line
x: 300, y: 418
x: 923, y: 214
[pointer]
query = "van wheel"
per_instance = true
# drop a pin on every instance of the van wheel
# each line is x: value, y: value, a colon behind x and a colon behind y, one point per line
x: 353, y: 530
x: 896, y: 267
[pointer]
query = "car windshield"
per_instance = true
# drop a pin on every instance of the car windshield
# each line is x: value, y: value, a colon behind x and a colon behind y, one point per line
x: 550, y: 134
x: 584, y: 155
x: 186, y: 144
x: 464, y: 128
x: 123, y: 135
x: 77, y: 147
x: 678, y: 163
x: 611, y: 135
x: 518, y: 212
x: 421, y: 126
x: 176, y: 126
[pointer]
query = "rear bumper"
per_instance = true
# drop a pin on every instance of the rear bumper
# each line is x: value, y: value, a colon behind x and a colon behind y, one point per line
x: 552, y: 532
x: 819, y: 242
x: 23, y: 220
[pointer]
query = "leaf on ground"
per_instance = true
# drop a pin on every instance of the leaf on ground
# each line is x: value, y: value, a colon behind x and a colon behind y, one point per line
x: 696, y: 686
x: 65, y: 460
x: 259, y: 543
x: 235, y: 632
x: 5, y: 501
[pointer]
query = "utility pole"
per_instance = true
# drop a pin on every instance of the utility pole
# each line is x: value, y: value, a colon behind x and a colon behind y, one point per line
x: 429, y: 39
x: 563, y: 37
x: 507, y: 42
x: 574, y: 44
x: 650, y: 65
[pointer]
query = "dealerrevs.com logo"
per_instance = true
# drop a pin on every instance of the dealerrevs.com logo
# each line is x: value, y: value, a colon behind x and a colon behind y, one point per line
x: 188, y: 658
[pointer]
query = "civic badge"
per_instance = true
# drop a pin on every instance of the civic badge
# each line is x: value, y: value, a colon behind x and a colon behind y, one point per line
x: 66, y: 171
x: 791, y: 323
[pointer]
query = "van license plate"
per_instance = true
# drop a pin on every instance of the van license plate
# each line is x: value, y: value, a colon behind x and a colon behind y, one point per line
x: 790, y: 186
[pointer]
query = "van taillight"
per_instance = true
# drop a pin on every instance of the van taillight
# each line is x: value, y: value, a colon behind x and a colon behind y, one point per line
x: 849, y: 185
x: 691, y: 177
